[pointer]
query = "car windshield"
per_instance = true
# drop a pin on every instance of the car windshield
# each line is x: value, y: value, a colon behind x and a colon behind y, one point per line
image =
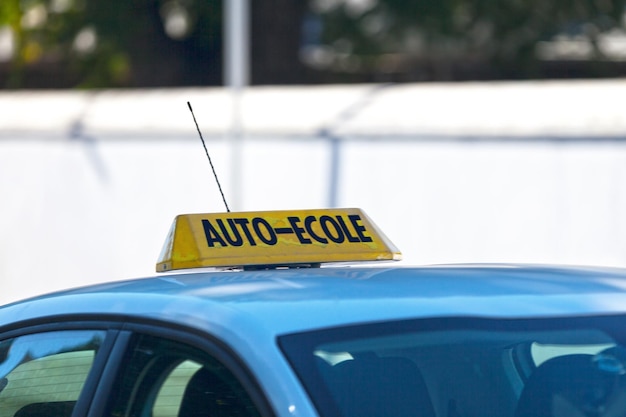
x: 465, y: 368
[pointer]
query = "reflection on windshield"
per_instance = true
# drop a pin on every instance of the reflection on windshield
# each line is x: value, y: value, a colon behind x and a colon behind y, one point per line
x: 14, y: 352
x: 43, y: 374
x: 465, y: 368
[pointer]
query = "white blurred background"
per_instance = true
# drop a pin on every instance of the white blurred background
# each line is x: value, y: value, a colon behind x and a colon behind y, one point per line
x: 531, y: 172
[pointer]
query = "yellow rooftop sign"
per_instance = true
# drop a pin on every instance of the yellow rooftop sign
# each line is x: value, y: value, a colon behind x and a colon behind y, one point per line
x: 273, y: 238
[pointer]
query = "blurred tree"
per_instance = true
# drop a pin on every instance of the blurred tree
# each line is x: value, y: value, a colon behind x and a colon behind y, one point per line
x: 144, y: 43
x: 10, y: 16
x: 502, y: 36
x: 276, y: 27
x: 104, y: 43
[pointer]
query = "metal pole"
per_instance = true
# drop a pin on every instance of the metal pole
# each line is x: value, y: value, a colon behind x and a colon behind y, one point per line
x: 236, y: 78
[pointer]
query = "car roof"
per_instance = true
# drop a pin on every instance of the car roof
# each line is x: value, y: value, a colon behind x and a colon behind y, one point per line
x: 283, y: 301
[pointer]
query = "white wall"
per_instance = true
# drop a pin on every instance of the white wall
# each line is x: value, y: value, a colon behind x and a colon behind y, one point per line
x: 533, y: 173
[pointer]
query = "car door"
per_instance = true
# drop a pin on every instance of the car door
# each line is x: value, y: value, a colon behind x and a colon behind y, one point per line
x: 47, y: 371
x: 165, y: 372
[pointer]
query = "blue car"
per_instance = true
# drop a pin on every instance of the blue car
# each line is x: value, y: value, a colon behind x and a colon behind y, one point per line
x: 291, y: 314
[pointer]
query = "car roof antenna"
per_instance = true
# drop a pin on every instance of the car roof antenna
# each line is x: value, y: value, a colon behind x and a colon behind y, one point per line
x: 207, y: 155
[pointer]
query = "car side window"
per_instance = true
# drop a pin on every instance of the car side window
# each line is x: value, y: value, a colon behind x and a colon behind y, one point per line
x: 170, y: 394
x: 163, y: 378
x: 43, y: 374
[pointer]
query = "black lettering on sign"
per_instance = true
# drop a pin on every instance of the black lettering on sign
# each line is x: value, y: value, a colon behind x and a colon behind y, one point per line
x: 308, y: 221
x: 236, y: 231
x: 236, y: 239
x: 259, y: 223
x: 360, y: 229
x: 244, y: 226
x: 345, y: 229
x: 299, y: 231
x: 337, y: 234
x: 212, y: 236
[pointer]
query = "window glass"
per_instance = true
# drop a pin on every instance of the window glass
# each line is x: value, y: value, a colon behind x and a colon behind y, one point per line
x: 43, y: 374
x: 170, y: 394
x: 542, y: 352
x: 465, y: 368
x: 162, y: 378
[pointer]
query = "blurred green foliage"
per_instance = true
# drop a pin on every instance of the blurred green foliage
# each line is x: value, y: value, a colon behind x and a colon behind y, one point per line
x: 112, y: 43
x: 369, y: 34
x: 137, y: 43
